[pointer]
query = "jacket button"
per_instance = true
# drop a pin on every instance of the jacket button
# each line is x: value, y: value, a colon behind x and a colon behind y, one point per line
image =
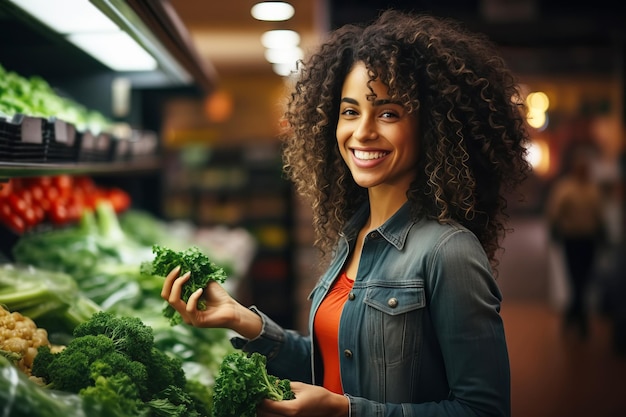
x: 347, y: 353
x: 373, y: 235
x: 393, y: 302
x: 351, y: 296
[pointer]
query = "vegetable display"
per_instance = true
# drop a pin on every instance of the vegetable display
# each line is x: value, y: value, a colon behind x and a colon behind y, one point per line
x: 33, y: 96
x: 112, y: 361
x: 20, y: 396
x: 98, y: 261
x: 26, y: 203
x: 97, y: 253
x: 51, y: 299
x: 105, y: 262
x: 243, y: 382
x: 192, y: 259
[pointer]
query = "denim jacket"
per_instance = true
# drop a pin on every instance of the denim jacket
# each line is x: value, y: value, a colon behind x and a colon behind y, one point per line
x: 420, y: 333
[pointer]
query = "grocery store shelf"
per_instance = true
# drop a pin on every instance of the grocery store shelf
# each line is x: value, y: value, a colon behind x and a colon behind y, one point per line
x: 20, y: 169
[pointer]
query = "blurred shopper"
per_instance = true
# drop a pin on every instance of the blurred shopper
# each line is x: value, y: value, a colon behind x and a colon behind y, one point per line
x: 405, y: 136
x: 576, y: 218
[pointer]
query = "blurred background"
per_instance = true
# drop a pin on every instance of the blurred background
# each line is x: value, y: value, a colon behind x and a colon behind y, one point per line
x: 210, y: 97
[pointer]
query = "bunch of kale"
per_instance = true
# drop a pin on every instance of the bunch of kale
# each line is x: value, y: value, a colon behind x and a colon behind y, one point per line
x: 243, y: 382
x: 192, y: 259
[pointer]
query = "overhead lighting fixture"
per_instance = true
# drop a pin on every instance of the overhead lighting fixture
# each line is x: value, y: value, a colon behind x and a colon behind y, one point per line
x: 283, y: 55
x: 115, y: 49
x: 273, y: 11
x: 67, y: 16
x: 285, y: 69
x: 87, y: 27
x: 280, y: 38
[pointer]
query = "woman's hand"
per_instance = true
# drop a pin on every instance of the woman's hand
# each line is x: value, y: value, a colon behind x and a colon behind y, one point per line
x: 221, y: 309
x: 310, y: 401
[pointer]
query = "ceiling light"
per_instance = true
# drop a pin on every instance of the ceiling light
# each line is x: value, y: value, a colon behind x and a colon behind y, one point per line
x: 84, y: 25
x: 272, y: 11
x: 285, y: 69
x: 283, y: 55
x: 117, y: 50
x: 280, y: 39
x: 67, y: 16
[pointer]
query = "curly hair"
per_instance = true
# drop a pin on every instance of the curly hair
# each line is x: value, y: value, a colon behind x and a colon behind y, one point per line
x: 472, y: 129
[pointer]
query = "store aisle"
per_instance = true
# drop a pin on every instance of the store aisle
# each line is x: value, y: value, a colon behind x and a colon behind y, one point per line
x: 553, y: 373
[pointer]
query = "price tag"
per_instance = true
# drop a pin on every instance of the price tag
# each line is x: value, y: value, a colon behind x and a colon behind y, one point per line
x: 32, y: 130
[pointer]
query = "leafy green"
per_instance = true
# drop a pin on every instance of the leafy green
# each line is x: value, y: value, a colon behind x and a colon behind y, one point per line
x: 80, y: 250
x: 104, y: 261
x: 22, y: 397
x: 192, y: 259
x: 243, y: 382
x: 33, y: 96
x: 52, y: 299
x: 112, y: 361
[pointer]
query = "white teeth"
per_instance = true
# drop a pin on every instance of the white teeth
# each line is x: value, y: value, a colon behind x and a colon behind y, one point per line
x: 369, y: 155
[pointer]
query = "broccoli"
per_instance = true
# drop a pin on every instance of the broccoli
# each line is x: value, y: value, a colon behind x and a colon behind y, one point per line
x: 242, y: 382
x: 115, y: 392
x: 112, y: 361
x: 71, y: 369
x: 130, y: 336
x: 164, y: 371
x: 192, y: 259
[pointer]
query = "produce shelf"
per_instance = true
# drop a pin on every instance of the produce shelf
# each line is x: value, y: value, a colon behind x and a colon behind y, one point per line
x: 33, y: 169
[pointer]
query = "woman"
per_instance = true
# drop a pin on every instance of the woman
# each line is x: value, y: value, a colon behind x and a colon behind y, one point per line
x: 405, y: 135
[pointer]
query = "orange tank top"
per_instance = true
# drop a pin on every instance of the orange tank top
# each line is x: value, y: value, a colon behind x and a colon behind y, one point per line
x: 326, y: 328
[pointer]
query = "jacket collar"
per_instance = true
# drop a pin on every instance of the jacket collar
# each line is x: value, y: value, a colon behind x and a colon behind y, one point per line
x: 395, y: 230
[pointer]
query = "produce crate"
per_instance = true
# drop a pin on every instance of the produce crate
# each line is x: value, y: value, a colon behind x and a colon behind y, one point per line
x: 60, y: 138
x: 93, y: 147
x: 120, y: 149
x: 143, y: 144
x: 22, y: 139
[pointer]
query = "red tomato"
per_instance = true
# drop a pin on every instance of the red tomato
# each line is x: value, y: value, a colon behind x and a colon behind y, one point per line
x: 58, y: 212
x: 75, y: 208
x: 36, y: 192
x: 18, y: 183
x: 15, y: 222
x: 120, y: 200
x: 51, y: 193
x: 18, y: 204
x: 64, y: 183
x: 41, y: 181
x: 6, y: 188
x: 30, y: 217
x: 84, y: 183
x: 40, y: 213
x: 25, y: 194
x: 5, y: 209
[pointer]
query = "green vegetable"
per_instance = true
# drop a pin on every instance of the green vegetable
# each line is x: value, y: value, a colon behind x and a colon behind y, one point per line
x: 192, y: 259
x: 243, y: 382
x: 97, y: 253
x: 51, y: 299
x: 34, y: 96
x: 22, y: 397
x: 80, y: 250
x: 112, y: 361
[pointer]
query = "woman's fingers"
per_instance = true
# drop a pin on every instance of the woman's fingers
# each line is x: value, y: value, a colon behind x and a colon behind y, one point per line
x: 167, y: 284
x: 192, y: 302
x: 177, y: 287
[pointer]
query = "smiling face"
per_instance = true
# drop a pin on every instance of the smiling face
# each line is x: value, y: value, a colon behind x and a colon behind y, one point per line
x: 377, y: 139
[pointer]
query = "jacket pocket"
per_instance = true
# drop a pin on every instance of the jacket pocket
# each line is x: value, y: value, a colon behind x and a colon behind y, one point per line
x: 396, y: 300
x: 395, y: 315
